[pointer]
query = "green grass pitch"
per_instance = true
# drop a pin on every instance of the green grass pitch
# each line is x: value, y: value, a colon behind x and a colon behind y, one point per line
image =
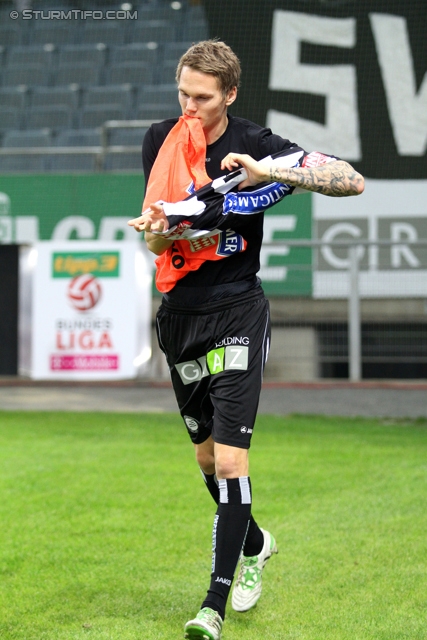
x: 105, y: 528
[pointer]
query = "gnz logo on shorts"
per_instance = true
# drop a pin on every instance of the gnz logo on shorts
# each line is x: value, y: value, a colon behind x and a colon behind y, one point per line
x: 216, y: 361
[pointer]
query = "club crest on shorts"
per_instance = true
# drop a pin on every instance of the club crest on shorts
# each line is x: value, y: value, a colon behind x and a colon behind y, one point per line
x: 192, y: 424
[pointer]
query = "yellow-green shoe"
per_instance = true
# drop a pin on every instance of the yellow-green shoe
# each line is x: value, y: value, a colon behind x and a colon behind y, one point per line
x: 248, y: 586
x: 207, y: 625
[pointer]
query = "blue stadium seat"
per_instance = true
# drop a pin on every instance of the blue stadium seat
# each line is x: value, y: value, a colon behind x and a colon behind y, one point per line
x: 58, y: 32
x: 109, y: 32
x: 78, y: 138
x: 174, y: 50
x: 11, y: 34
x: 195, y: 30
x: 55, y: 117
x: 150, y: 12
x: 83, y: 54
x: 160, y: 11
x: 82, y: 74
x: 152, y: 31
x: 123, y: 162
x: 95, y: 115
x: 126, y: 137
x: 130, y: 72
x: 59, y: 96
x: 157, y: 111
x: 22, y: 164
x: 10, y: 118
x: 195, y: 12
x: 75, y: 162
x: 13, y: 97
x: 158, y: 94
x: 135, y: 52
x: 34, y: 74
x: 36, y: 138
x: 167, y: 72
x: 121, y: 94
x: 39, y: 54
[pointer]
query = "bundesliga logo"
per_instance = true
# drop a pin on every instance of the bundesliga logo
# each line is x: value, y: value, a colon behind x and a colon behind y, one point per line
x: 84, y: 292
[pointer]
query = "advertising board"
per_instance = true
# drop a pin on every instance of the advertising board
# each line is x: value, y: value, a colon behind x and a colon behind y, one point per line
x: 90, y: 311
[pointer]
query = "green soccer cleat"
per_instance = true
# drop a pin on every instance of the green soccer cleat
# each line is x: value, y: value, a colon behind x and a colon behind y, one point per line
x: 248, y: 586
x: 207, y: 625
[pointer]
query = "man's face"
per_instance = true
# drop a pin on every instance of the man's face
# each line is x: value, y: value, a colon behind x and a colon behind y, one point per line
x: 200, y: 97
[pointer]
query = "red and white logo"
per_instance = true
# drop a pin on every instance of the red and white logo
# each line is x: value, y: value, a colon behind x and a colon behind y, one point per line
x: 84, y: 292
x: 315, y: 159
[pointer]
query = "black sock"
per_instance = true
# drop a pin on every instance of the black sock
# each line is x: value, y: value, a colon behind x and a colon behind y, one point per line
x: 254, y: 538
x: 211, y: 484
x: 229, y: 531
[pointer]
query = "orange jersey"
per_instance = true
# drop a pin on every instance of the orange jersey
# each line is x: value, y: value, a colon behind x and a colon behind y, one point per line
x: 178, y: 171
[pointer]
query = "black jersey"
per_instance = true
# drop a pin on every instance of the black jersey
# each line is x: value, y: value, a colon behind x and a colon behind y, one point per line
x: 241, y: 136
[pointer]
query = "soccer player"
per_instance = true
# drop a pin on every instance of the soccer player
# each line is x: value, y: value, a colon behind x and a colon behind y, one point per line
x: 213, y: 324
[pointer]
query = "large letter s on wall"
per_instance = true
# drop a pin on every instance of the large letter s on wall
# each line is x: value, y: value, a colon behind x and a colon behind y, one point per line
x: 340, y: 133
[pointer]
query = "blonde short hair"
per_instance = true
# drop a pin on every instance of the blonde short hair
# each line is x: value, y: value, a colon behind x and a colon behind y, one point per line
x: 214, y: 58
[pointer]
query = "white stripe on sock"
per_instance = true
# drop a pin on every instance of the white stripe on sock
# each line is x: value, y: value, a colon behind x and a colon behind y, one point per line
x: 245, y: 490
x: 223, y: 491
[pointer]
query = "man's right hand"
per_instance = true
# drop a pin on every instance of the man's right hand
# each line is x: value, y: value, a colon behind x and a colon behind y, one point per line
x: 152, y: 219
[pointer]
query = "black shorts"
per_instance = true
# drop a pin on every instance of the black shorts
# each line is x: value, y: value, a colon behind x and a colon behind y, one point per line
x: 216, y: 355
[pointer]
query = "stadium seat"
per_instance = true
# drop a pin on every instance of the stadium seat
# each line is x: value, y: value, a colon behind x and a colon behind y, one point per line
x: 55, y: 117
x: 130, y: 72
x: 83, y: 54
x: 126, y: 137
x: 195, y: 12
x: 54, y: 32
x: 195, y: 30
x: 135, y: 52
x: 10, y: 118
x: 158, y: 93
x: 39, y: 54
x: 167, y: 72
x: 95, y: 115
x: 59, y: 96
x: 13, y: 97
x: 174, y: 50
x: 10, y: 34
x: 21, y: 164
x: 34, y: 74
x: 152, y: 31
x: 71, y: 162
x: 123, y: 162
x: 36, y: 138
x: 121, y: 94
x: 160, y: 11
x: 157, y: 111
x: 111, y: 32
x: 82, y: 74
x: 78, y: 138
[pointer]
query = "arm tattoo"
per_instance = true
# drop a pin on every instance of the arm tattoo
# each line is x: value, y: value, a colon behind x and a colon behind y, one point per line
x: 335, y: 178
